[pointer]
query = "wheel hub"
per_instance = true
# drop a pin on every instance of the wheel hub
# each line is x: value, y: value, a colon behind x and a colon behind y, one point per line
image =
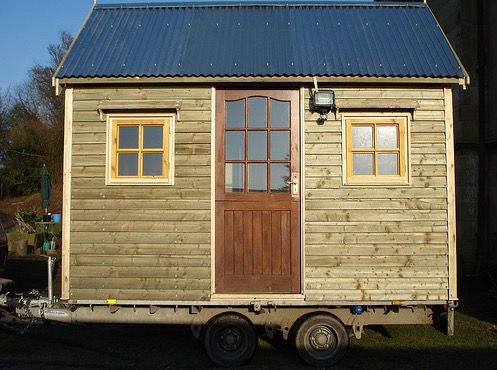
x: 229, y: 340
x: 322, y: 339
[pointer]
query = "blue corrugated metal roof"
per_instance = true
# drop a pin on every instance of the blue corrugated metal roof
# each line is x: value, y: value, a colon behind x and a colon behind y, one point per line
x: 261, y: 39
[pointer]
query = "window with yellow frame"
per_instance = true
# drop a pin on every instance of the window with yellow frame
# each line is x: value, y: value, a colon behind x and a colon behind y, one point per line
x: 140, y: 149
x: 376, y: 150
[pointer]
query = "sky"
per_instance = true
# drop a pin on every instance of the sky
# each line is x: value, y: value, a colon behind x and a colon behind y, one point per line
x: 27, y: 27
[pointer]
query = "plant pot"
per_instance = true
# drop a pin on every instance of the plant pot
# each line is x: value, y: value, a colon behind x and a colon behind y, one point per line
x: 21, y: 247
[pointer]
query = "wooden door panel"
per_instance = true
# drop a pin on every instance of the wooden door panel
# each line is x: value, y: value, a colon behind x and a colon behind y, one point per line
x: 257, y: 233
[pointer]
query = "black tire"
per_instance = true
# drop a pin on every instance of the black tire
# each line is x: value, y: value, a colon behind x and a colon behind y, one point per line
x: 321, y: 340
x: 230, y: 340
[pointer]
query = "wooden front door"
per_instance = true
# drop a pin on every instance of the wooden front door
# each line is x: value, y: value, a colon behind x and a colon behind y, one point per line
x: 257, y: 191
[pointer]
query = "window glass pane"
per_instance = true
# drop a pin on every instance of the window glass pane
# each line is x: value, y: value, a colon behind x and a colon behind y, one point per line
x: 235, y: 114
x: 280, y: 145
x: 235, y: 145
x: 128, y: 137
x: 362, y: 136
x: 280, y: 174
x: 152, y: 164
x: 280, y: 113
x: 388, y: 164
x: 257, y: 177
x: 362, y: 163
x: 257, y: 112
x: 127, y: 164
x: 153, y: 137
x: 257, y: 145
x: 387, y: 136
x: 234, y: 177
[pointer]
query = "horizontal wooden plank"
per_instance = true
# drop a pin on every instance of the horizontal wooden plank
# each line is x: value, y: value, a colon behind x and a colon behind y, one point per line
x: 139, y: 294
x: 179, y: 183
x: 142, y: 193
x: 322, y: 137
x: 377, y: 193
x: 139, y: 237
x: 185, y: 115
x: 133, y: 214
x: 387, y: 93
x: 427, y: 137
x: 323, y: 159
x: 375, y: 271
x: 320, y: 148
x: 359, y: 215
x: 377, y: 295
x: 430, y: 115
x: 140, y: 283
x: 390, y: 283
x: 101, y: 271
x: 157, y: 92
x: 185, y: 103
x: 428, y: 170
x: 179, y: 170
x: 376, y: 249
x: 377, y: 226
x: 141, y: 249
x: 387, y: 261
x: 137, y: 204
x: 84, y: 149
x: 188, y: 148
x: 376, y: 204
x: 142, y: 226
x: 423, y: 159
x: 362, y: 238
x: 428, y: 126
x: 141, y: 261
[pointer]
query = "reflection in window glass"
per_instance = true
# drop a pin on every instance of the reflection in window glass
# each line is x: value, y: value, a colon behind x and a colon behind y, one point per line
x: 127, y: 164
x: 280, y: 174
x: 235, y: 145
x: 235, y: 114
x: 153, y: 137
x: 152, y: 164
x: 257, y: 112
x: 280, y: 113
x: 128, y: 137
x: 280, y: 145
x: 234, y: 177
x: 362, y: 163
x: 387, y: 136
x: 388, y: 164
x: 362, y: 136
x: 257, y: 145
x: 257, y: 177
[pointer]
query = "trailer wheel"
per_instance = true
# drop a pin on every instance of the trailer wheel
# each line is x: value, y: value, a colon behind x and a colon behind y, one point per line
x: 321, y: 340
x: 230, y: 340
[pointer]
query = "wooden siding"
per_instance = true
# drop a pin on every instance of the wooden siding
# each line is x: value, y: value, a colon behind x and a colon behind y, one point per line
x: 377, y: 242
x: 138, y: 242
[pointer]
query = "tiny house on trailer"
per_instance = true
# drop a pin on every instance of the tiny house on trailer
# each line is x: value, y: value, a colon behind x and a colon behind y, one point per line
x: 285, y: 165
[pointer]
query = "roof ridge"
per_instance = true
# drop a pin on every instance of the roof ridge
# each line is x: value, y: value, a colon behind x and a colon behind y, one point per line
x: 239, y: 4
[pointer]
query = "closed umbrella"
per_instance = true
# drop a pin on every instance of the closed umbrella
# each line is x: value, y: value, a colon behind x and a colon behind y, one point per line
x: 45, y: 188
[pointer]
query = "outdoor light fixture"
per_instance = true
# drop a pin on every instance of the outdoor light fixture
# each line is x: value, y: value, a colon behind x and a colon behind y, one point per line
x: 323, y: 102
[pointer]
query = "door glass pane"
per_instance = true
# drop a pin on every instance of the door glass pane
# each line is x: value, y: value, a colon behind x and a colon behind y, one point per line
x: 257, y: 112
x: 152, y: 164
x: 362, y: 163
x: 388, y: 164
x: 387, y: 136
x: 127, y: 164
x: 234, y: 177
x: 280, y: 174
x: 128, y: 137
x: 280, y: 145
x: 257, y: 145
x: 153, y: 137
x: 362, y: 136
x: 257, y: 177
x: 235, y: 114
x: 280, y: 113
x: 235, y: 145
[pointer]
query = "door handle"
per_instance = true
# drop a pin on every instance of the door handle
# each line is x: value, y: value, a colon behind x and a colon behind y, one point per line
x: 294, y: 183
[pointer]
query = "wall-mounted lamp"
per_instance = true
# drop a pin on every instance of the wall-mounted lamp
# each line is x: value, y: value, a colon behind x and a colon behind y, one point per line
x: 323, y: 102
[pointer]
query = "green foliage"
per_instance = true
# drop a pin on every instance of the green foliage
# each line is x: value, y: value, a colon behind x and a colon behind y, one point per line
x: 32, y: 125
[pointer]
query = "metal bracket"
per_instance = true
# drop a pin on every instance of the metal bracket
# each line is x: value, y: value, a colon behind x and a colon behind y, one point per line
x: 358, y: 326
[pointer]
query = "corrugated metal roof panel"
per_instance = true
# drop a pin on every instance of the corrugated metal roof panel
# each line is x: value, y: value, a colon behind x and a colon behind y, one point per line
x: 313, y: 39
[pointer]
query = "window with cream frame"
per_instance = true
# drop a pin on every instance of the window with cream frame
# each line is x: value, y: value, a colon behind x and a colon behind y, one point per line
x: 140, y: 149
x: 376, y: 149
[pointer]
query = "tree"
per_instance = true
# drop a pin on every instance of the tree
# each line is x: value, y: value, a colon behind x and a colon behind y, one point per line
x: 33, y: 127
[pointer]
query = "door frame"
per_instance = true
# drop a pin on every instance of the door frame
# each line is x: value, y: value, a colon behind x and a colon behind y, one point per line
x: 250, y: 296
